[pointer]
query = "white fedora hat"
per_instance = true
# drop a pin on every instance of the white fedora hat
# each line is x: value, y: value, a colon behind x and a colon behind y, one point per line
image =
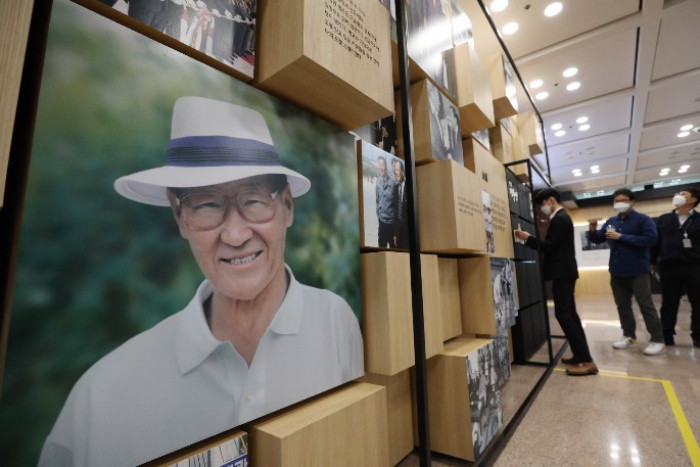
x: 211, y: 142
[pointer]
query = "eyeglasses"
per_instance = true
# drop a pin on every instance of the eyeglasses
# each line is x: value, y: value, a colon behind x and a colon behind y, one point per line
x: 202, y: 211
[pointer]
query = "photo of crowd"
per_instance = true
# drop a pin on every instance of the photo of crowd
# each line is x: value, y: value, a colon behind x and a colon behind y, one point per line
x: 484, y: 397
x: 385, y: 202
x: 446, y: 138
x: 505, y: 300
x: 488, y: 222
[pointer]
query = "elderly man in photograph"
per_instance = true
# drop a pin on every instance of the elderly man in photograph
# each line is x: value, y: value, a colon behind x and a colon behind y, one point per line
x: 252, y: 340
x: 386, y: 205
x: 677, y: 259
x: 631, y: 235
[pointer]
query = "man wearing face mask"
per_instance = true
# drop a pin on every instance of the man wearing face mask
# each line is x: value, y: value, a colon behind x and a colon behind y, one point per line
x: 677, y: 259
x: 560, y: 267
x: 631, y: 235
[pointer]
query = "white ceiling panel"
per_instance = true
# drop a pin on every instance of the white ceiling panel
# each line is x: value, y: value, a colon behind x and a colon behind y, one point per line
x: 593, y: 149
x: 653, y: 174
x: 689, y: 152
x: 666, y: 133
x: 602, y: 116
x: 612, y: 53
x: 617, y: 181
x: 679, y: 36
x: 590, y: 170
x: 672, y: 97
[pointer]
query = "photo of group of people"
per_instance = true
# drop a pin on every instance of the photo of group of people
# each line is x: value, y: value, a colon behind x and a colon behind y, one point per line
x: 385, y: 202
x: 446, y: 138
x: 484, y: 397
x: 223, y: 29
x: 488, y: 222
x: 501, y: 358
x: 505, y: 300
x: 231, y: 453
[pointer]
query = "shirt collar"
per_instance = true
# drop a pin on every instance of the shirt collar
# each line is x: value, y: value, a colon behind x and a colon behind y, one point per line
x: 551, y: 216
x: 195, y: 341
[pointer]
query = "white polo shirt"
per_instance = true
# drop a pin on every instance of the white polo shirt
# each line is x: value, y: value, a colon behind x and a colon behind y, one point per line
x: 176, y: 384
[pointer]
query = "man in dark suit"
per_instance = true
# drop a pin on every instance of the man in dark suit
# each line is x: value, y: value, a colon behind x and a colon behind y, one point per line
x: 560, y: 267
x: 401, y: 223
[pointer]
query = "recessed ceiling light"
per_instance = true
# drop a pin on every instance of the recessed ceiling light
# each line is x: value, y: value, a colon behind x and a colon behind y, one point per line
x: 499, y: 5
x: 600, y: 192
x: 686, y: 127
x: 584, y: 127
x: 556, y: 126
x: 582, y: 120
x: 576, y: 171
x: 675, y: 180
x: 569, y: 72
x: 510, y: 28
x: 665, y: 169
x: 578, y: 174
x: 683, y: 134
x: 595, y: 167
x: 685, y: 167
x: 587, y: 194
x: 560, y: 133
x: 541, y: 96
x: 682, y: 171
x: 573, y: 86
x: 553, y: 9
x: 536, y: 83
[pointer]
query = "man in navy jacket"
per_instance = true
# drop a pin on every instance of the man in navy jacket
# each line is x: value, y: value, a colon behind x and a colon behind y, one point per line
x: 677, y: 259
x: 631, y: 235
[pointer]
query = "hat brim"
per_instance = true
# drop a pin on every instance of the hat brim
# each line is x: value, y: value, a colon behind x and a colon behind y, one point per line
x: 150, y: 186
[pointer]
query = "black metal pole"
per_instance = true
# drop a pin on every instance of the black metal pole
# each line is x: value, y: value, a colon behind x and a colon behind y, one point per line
x: 413, y: 239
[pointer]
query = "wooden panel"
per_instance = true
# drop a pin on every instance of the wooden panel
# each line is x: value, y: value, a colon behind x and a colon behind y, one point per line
x: 501, y: 144
x: 448, y: 399
x: 15, y: 17
x: 345, y: 427
x: 653, y: 208
x: 502, y: 86
x: 432, y: 313
x: 593, y: 282
x: 449, y: 298
x: 398, y: 402
x: 476, y: 296
x: 531, y: 131
x: 475, y: 100
x: 387, y: 321
x: 322, y: 60
x: 450, y: 213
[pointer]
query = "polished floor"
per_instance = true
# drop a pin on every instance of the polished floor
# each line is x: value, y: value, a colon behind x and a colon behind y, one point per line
x: 639, y: 411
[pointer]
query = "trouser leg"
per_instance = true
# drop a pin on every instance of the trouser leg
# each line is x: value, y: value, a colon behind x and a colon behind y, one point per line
x: 692, y: 287
x: 565, y: 312
x: 671, y: 292
x: 641, y: 287
x: 622, y: 293
x: 386, y: 235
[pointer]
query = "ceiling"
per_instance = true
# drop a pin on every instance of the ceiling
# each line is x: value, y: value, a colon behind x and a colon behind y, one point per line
x: 638, y: 67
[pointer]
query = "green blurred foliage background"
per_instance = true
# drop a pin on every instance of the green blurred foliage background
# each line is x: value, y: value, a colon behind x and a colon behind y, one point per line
x: 95, y: 268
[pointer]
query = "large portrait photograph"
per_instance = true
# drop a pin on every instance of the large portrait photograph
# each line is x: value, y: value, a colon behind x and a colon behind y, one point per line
x: 188, y: 257
x: 445, y: 133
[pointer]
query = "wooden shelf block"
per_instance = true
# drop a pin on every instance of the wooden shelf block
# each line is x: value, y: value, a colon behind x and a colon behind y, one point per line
x: 488, y: 294
x: 501, y: 144
x: 530, y: 129
x: 344, y: 427
x: 432, y: 312
x: 450, y: 213
x: 400, y: 418
x: 462, y: 418
x: 474, y: 97
x: 449, y: 298
x: 502, y: 78
x: 387, y: 320
x: 436, y: 127
x: 315, y: 57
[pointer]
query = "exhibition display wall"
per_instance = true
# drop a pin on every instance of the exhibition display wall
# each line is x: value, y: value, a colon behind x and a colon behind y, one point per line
x: 214, y: 154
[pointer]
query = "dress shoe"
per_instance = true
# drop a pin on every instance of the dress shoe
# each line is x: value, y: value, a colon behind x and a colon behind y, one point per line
x: 583, y: 369
x: 669, y: 340
x: 569, y: 361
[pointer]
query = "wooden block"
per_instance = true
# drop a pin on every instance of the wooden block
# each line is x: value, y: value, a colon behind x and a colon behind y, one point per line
x: 432, y: 313
x: 488, y: 295
x: 387, y: 320
x: 436, y: 133
x: 530, y: 129
x: 503, y: 90
x: 15, y: 17
x: 501, y: 144
x: 400, y: 418
x: 462, y: 418
x: 344, y: 427
x: 449, y: 298
x: 450, y: 214
x: 415, y: 73
x: 474, y: 97
x: 311, y: 55
x: 230, y: 447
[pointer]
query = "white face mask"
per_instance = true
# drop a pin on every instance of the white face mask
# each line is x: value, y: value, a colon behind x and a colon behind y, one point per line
x: 679, y: 200
x: 547, y: 210
x: 621, y: 207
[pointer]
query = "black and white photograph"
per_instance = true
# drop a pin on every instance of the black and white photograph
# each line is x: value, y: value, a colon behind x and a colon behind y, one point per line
x: 589, y: 255
x: 385, y: 201
x: 231, y: 453
x: 223, y: 29
x: 445, y: 135
x: 505, y: 300
x: 461, y: 25
x: 484, y: 397
x: 483, y: 137
x: 381, y: 133
x: 488, y: 222
x: 187, y: 259
x: 501, y: 359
